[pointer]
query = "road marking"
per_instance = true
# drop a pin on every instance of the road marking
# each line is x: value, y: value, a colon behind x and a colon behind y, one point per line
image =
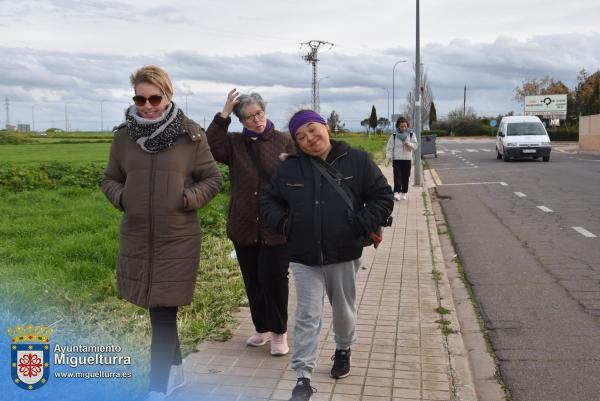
x: 545, y: 209
x: 584, y: 232
x: 520, y: 194
x: 456, y: 151
x: 588, y: 160
x: 457, y: 168
x: 487, y: 150
x: 503, y: 184
x: 441, y: 152
x: 471, y: 150
x: 477, y: 183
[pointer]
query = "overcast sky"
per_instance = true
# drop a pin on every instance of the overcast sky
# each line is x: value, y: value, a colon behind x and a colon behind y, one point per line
x: 81, y: 53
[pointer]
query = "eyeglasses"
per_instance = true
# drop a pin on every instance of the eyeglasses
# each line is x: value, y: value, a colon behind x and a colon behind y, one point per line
x: 140, y: 100
x: 258, y: 115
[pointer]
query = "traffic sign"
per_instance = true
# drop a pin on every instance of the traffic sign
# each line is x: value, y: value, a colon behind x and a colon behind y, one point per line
x: 546, y: 105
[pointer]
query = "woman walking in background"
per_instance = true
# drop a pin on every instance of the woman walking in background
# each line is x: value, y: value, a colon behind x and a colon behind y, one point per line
x: 252, y: 158
x: 399, y: 150
x: 160, y: 171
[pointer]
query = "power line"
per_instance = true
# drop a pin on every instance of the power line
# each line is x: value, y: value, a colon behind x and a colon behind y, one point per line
x: 312, y: 58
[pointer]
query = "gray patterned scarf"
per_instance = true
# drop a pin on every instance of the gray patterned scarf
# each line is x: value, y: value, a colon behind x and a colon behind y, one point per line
x: 155, y: 135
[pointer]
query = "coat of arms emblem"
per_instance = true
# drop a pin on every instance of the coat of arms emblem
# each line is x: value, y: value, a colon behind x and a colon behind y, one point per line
x: 30, y: 356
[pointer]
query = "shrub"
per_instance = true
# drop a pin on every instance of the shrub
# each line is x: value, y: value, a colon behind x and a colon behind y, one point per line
x: 54, y: 175
x: 563, y: 134
x: 50, y: 176
x: 10, y: 138
x: 463, y: 127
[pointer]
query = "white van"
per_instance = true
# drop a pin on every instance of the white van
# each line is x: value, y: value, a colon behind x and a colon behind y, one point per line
x: 521, y: 137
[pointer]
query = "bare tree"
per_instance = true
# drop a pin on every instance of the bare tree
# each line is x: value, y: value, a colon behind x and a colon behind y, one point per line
x: 426, y: 99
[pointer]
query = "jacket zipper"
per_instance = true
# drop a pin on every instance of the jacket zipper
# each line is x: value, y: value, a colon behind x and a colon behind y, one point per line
x: 338, y: 157
x: 150, y: 226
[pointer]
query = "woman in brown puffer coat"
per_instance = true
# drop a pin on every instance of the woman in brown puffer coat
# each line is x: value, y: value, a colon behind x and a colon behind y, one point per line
x: 160, y: 171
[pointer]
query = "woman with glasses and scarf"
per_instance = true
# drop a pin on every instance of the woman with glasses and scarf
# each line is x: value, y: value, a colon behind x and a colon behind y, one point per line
x: 252, y: 158
x: 160, y: 172
x: 399, y: 150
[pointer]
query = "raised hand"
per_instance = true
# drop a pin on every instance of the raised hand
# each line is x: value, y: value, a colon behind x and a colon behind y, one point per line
x: 230, y: 103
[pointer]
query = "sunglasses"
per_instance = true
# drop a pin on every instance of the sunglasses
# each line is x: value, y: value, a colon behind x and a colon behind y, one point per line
x: 140, y: 100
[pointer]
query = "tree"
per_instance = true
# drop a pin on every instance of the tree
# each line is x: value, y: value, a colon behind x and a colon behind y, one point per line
x: 461, y: 123
x: 592, y: 104
x: 544, y: 86
x: 572, y: 109
x: 383, y: 123
x: 365, y: 124
x: 457, y: 113
x: 432, y: 114
x: 587, y: 93
x: 556, y: 88
x: 334, y: 121
x: 373, y: 118
x: 426, y: 97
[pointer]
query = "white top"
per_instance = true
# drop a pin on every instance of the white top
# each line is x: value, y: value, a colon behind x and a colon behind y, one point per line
x: 399, y: 150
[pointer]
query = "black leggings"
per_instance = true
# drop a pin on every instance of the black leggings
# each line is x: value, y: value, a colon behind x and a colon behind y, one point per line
x: 401, y: 175
x: 265, y: 273
x: 165, y: 349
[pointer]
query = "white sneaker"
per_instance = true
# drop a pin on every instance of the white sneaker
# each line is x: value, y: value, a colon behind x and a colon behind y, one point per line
x: 155, y: 396
x: 259, y: 339
x: 279, y: 344
x: 397, y: 196
x: 404, y: 196
x: 176, y: 379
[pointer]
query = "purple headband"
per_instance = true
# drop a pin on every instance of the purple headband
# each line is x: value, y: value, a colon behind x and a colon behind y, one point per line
x: 302, y: 117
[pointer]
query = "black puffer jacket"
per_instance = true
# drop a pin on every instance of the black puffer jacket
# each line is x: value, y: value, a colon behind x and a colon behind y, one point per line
x: 302, y: 204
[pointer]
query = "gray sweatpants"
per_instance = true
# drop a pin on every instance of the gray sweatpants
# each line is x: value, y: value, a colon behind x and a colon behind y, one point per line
x: 312, y: 282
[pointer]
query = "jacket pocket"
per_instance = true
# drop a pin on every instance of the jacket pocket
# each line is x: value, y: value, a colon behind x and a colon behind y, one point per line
x: 174, y: 195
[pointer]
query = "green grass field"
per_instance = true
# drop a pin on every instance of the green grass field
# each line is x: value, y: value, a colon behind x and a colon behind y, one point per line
x: 78, y: 153
x: 374, y: 145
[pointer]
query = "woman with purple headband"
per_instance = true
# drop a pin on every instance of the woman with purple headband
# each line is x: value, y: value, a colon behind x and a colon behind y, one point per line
x: 325, y: 235
x: 262, y: 254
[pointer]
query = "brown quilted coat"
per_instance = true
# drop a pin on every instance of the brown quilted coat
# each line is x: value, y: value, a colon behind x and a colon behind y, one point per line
x: 159, y: 240
x: 244, y: 224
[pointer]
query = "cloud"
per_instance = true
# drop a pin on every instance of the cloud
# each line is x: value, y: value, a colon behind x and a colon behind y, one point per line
x: 491, y: 70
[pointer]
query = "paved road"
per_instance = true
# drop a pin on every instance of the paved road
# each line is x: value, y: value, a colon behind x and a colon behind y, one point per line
x: 535, y: 276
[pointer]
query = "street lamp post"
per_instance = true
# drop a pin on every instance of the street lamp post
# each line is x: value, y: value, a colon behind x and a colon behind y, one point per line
x: 394, y: 85
x: 388, y: 104
x: 417, y: 119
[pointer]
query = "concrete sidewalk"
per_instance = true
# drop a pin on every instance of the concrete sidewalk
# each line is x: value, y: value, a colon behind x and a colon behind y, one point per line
x: 401, y: 353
